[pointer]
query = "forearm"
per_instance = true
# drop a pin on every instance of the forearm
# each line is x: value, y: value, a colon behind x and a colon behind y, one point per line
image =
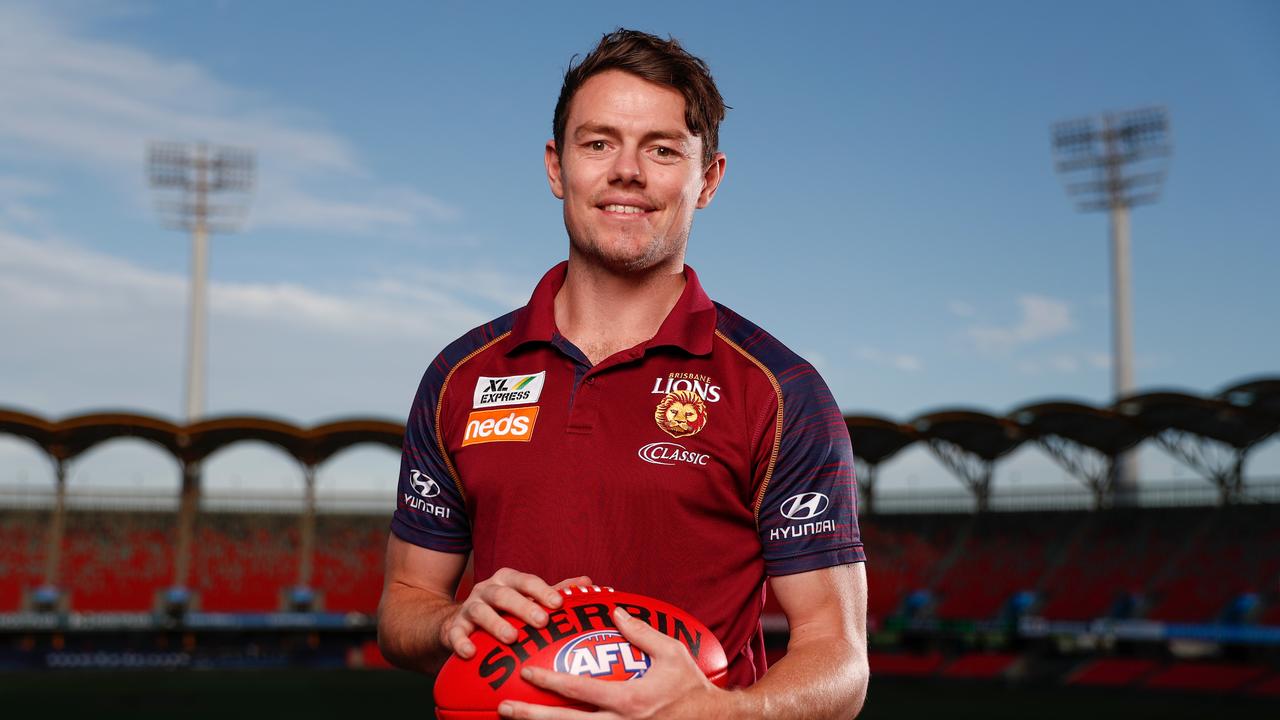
x: 822, y: 679
x: 409, y: 621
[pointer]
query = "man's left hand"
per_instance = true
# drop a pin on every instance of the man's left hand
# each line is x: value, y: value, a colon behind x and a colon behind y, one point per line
x: 673, y: 687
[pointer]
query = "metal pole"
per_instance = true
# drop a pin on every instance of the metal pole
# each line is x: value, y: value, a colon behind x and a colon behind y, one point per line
x: 199, y: 274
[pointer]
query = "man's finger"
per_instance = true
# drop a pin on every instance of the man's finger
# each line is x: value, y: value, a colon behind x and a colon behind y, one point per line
x: 600, y: 693
x: 525, y: 711
x: 488, y: 619
x: 512, y: 601
x: 653, y: 643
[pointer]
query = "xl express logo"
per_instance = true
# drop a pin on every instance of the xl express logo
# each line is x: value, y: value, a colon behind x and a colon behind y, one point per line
x: 509, y: 390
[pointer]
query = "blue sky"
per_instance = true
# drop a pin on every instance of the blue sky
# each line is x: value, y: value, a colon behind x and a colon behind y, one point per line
x: 890, y: 209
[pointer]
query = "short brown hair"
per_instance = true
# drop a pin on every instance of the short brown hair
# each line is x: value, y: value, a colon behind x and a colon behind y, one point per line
x: 659, y: 61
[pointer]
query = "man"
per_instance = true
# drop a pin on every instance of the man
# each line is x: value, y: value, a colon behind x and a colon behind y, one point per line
x: 623, y: 429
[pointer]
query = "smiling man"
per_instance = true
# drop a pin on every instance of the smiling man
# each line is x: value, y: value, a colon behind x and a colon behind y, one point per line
x: 623, y: 429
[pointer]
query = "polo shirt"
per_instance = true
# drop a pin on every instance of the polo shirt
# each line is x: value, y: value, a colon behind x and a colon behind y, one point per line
x: 687, y: 468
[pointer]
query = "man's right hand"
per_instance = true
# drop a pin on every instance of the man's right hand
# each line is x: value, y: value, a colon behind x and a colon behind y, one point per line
x: 522, y: 595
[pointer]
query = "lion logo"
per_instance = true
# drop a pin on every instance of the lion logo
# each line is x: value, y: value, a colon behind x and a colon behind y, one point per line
x: 681, y: 413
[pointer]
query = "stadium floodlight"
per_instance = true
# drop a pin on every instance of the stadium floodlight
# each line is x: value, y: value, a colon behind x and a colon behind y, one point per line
x: 1114, y: 163
x: 185, y: 176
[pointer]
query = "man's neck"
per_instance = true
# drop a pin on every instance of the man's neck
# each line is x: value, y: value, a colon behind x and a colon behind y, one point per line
x: 603, y: 313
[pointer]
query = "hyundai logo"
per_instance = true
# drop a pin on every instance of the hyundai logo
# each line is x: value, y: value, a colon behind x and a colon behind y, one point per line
x: 423, y: 485
x: 805, y: 506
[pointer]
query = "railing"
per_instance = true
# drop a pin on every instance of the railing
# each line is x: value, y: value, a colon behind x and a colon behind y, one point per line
x: 1261, y: 490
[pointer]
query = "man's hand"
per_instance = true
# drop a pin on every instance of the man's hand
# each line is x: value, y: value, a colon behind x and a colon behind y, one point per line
x: 516, y: 593
x: 673, y: 688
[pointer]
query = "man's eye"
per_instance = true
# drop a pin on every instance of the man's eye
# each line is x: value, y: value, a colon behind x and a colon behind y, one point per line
x: 597, y: 145
x: 664, y: 151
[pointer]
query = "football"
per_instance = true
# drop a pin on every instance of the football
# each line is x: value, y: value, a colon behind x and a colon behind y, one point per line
x: 580, y: 638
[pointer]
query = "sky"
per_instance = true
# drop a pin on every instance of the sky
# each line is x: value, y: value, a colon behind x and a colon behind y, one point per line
x: 890, y: 209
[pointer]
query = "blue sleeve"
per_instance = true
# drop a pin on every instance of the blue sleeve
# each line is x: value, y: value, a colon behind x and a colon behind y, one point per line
x: 430, y: 509
x: 808, y: 515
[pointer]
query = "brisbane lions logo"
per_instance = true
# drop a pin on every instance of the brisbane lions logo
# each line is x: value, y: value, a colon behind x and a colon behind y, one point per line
x: 681, y: 413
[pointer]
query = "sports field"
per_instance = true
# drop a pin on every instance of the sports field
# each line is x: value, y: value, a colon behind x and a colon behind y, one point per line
x: 225, y: 695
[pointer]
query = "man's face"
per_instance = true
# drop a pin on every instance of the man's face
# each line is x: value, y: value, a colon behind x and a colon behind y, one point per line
x: 630, y: 173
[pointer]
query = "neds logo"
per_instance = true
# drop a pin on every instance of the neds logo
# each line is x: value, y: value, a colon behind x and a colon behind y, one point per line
x: 485, y: 426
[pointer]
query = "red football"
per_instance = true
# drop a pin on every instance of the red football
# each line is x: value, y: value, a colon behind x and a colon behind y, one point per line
x: 579, y: 638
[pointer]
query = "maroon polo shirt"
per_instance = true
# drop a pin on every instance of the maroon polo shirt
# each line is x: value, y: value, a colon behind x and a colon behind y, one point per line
x: 688, y: 468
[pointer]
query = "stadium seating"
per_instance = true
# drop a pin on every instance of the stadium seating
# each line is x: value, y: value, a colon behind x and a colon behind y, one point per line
x: 1120, y: 552
x: 1240, y: 554
x: 243, y: 562
x: 904, y: 552
x: 22, y: 543
x: 1112, y: 672
x: 1003, y: 555
x: 350, y: 552
x: 980, y: 665
x: 905, y: 664
x: 1207, y: 677
x: 117, y: 561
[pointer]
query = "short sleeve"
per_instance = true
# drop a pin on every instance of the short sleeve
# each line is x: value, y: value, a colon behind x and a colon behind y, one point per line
x: 808, y: 515
x: 430, y: 510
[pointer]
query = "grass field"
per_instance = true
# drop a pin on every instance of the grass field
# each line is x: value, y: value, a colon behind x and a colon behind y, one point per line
x: 224, y: 695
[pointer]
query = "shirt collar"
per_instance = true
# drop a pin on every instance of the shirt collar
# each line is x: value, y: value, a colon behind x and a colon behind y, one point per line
x: 691, y: 324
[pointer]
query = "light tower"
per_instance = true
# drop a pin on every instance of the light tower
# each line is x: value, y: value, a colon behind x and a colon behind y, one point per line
x: 200, y: 189
x: 1114, y: 163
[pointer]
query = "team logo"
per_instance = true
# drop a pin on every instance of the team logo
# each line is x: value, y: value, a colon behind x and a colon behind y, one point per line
x: 681, y: 413
x: 669, y: 453
x: 510, y: 390
x: 423, y: 485
x: 702, y: 385
x: 508, y: 425
x: 605, y: 654
x: 805, y: 506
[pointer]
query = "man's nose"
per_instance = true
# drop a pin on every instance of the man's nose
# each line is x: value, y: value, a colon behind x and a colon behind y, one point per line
x: 627, y: 167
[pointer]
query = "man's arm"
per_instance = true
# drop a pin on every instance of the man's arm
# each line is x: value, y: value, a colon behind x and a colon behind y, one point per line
x: 823, y: 677
x: 419, y: 623
x: 824, y: 673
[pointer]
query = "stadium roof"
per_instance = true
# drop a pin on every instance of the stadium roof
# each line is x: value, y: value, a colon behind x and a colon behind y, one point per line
x: 1240, y: 416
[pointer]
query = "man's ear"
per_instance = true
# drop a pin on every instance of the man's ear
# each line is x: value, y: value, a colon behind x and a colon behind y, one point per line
x: 552, y: 160
x: 711, y: 178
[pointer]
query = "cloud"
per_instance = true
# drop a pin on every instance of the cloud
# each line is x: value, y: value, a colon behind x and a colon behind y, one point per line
x: 959, y: 308
x: 1041, y: 318
x: 84, y: 329
x: 898, y: 361
x: 95, y: 105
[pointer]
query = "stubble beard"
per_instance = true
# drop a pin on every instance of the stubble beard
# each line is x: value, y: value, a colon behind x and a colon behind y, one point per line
x: 657, y: 249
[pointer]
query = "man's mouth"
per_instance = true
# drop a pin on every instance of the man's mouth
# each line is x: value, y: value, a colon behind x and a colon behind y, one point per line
x: 624, y: 209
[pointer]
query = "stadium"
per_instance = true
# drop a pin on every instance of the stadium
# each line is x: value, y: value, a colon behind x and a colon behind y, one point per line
x: 1165, y: 595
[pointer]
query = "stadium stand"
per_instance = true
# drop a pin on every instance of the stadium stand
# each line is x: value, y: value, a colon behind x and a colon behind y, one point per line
x: 905, y: 664
x: 22, y: 540
x: 909, y: 549
x: 1002, y: 556
x: 244, y: 562
x: 1118, y: 554
x: 1207, y: 677
x: 350, y: 551
x: 980, y: 665
x: 1112, y: 672
x: 117, y: 561
x: 1240, y: 554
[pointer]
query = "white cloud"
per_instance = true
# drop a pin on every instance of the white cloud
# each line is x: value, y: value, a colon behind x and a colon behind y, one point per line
x: 96, y: 105
x: 899, y: 361
x: 83, y: 329
x: 959, y: 308
x: 1041, y: 318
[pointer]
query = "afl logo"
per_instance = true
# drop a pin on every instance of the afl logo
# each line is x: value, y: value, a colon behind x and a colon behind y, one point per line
x: 805, y: 506
x: 423, y: 485
x: 604, y: 654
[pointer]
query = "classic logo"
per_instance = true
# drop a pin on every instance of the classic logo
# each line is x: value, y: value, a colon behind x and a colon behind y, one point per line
x: 687, y: 382
x: 681, y: 414
x: 510, y: 390
x: 669, y: 453
x: 486, y: 426
x: 423, y: 485
x: 805, y: 506
x: 602, y: 654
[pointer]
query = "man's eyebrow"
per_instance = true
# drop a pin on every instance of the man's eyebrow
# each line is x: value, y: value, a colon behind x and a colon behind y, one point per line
x: 610, y: 131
